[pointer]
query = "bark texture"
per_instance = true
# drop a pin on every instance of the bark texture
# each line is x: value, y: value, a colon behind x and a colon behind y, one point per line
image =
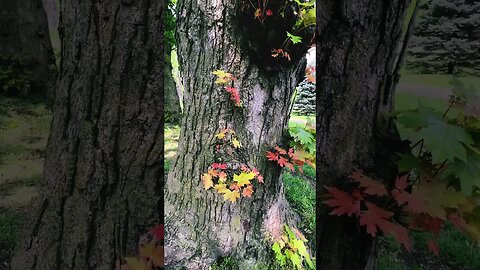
x: 200, y: 225
x: 25, y: 40
x: 102, y: 185
x: 357, y: 53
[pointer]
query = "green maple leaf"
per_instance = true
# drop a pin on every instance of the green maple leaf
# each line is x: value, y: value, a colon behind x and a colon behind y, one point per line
x: 445, y: 141
x: 467, y: 172
x: 302, y: 135
x: 296, y: 260
x: 294, y: 39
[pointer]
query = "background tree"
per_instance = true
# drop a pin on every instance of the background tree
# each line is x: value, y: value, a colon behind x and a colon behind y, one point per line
x: 27, y: 62
x: 357, y: 70
x: 102, y: 184
x: 447, y: 38
x: 172, y: 102
x: 200, y: 225
x: 305, y: 101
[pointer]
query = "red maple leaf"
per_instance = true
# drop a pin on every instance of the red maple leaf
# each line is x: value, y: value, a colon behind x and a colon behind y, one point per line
x: 260, y: 178
x: 427, y: 223
x: 272, y: 156
x: 402, y: 182
x: 342, y: 202
x: 220, y: 166
x: 234, y: 95
x: 282, y: 161
x: 375, y: 216
x: 415, y: 204
x: 433, y: 247
x: 371, y: 186
x: 280, y: 150
x: 459, y: 222
x: 269, y: 12
x: 400, y: 234
x: 158, y: 232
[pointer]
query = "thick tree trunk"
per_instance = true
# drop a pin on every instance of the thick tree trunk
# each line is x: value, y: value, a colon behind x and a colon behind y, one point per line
x: 102, y: 180
x: 25, y: 40
x: 356, y: 64
x: 200, y: 225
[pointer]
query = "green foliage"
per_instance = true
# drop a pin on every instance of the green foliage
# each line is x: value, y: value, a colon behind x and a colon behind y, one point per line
x: 170, y: 24
x: 303, y: 137
x: 451, y: 138
x: 14, y: 79
x: 291, y: 251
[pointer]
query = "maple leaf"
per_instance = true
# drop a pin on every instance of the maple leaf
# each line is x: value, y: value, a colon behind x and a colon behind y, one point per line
x: 414, y: 203
x: 293, y: 38
x: 342, y: 202
x: 282, y: 161
x: 221, y: 134
x: 243, y: 178
x: 433, y: 247
x: 153, y: 253
x: 260, y: 178
x: 236, y: 143
x: 371, y: 186
x: 136, y: 263
x: 398, y: 232
x: 280, y: 150
x: 272, y: 156
x: 459, y: 222
x: 258, y: 13
x: 375, y: 217
x: 269, y: 12
x: 234, y: 95
x: 248, y: 191
x: 220, y: 166
x: 221, y: 188
x: 207, y: 181
x: 222, y: 176
x: 213, y: 173
x: 231, y: 195
x: 158, y: 232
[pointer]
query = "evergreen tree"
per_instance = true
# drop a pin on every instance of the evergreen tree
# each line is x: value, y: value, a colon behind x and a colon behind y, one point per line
x: 447, y: 38
x: 305, y: 100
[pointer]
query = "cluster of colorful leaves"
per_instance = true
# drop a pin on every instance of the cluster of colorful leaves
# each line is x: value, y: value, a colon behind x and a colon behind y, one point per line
x: 421, y: 205
x: 280, y: 53
x: 231, y: 182
x: 225, y: 78
x: 310, y: 74
x: 289, y: 159
x: 261, y: 10
x: 150, y: 252
x: 290, y: 249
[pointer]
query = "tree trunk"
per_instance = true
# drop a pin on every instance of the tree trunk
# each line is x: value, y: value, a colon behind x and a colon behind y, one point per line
x: 25, y: 41
x: 356, y: 75
x: 173, y: 111
x: 200, y: 225
x: 102, y: 185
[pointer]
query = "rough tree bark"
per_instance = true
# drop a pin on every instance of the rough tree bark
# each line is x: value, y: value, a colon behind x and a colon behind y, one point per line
x: 102, y: 180
x: 200, y: 225
x: 24, y: 39
x: 357, y: 60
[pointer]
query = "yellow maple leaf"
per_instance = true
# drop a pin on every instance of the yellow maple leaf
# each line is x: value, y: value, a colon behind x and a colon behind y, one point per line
x: 221, y: 188
x: 152, y: 252
x: 136, y: 264
x: 236, y: 143
x: 221, y: 134
x: 243, y: 178
x: 207, y: 181
x: 231, y: 195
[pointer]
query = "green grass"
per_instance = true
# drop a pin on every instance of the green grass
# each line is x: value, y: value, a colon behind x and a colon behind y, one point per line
x: 9, y: 223
x: 437, y: 80
x: 301, y: 196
